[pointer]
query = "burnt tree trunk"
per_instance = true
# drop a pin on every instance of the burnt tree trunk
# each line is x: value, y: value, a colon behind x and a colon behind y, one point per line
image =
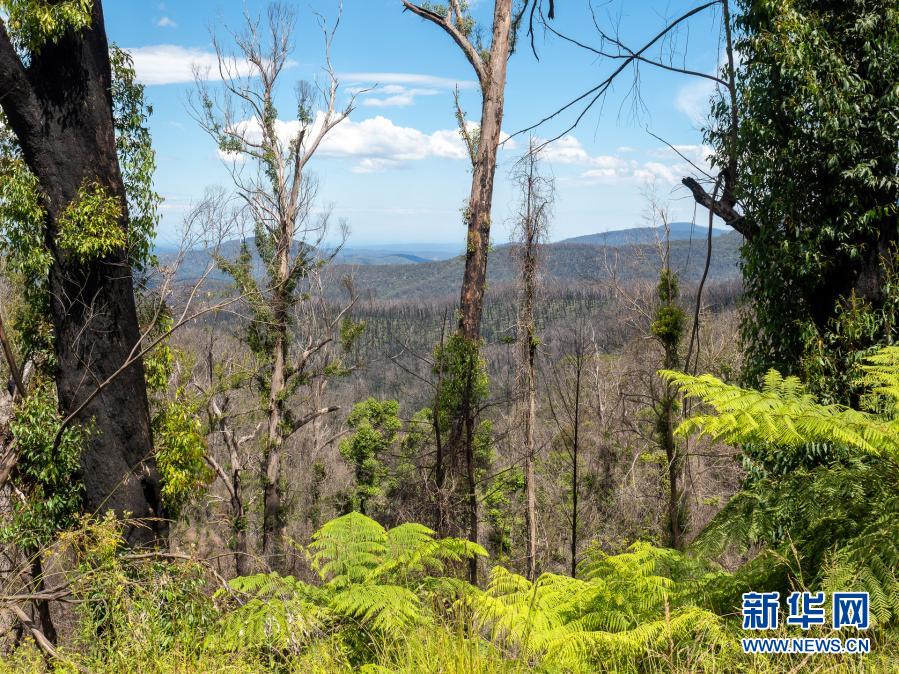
x: 478, y: 221
x: 60, y: 108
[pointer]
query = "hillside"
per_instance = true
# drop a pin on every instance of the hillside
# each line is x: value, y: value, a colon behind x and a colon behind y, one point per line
x: 391, y: 274
x: 677, y: 231
x: 563, y: 263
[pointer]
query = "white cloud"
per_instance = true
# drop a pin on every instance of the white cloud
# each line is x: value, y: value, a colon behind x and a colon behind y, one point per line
x: 693, y: 100
x: 166, y: 22
x: 173, y: 64
x: 382, y: 144
x: 375, y: 165
x: 399, y: 96
x: 696, y: 154
x: 661, y: 164
x: 384, y: 90
x: 378, y: 143
x: 568, y: 150
x: 665, y: 173
x: 409, y: 79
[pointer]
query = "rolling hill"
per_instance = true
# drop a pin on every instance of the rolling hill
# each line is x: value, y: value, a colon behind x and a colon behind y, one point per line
x: 391, y: 274
x: 677, y: 231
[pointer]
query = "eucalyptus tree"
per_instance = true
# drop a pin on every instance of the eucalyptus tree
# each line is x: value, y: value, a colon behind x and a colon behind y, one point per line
x: 489, y: 64
x: 267, y: 158
x: 816, y: 142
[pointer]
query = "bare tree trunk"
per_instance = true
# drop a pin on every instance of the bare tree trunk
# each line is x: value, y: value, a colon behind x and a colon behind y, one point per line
x: 537, y: 197
x: 491, y: 74
x: 60, y: 108
x: 480, y: 201
x: 441, y: 514
x: 674, y: 470
x: 239, y: 518
x: 529, y: 484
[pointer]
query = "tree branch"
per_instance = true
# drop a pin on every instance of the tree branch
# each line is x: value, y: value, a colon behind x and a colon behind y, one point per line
x: 723, y: 208
x: 597, y: 92
x: 445, y: 22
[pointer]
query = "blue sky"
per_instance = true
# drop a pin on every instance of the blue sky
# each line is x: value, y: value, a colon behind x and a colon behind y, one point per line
x: 395, y: 171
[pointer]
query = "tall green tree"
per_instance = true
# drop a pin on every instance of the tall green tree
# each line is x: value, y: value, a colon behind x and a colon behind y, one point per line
x: 816, y: 112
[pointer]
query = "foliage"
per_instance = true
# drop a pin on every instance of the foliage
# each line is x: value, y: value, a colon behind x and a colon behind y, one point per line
x: 179, y: 436
x: 90, y: 226
x: 623, y: 608
x: 499, y: 509
x: 36, y: 22
x: 458, y: 363
x: 388, y: 601
x: 375, y: 426
x: 668, y: 325
x: 137, y: 159
x: 22, y: 242
x: 382, y: 582
x: 46, y: 470
x: 180, y: 451
x: 131, y: 606
x: 463, y: 21
x: 831, y: 524
x: 817, y: 155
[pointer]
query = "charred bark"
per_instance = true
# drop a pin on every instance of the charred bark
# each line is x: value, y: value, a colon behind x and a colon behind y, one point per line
x: 60, y: 108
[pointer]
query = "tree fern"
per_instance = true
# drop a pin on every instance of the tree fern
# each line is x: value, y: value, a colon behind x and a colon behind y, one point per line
x: 834, y: 526
x: 623, y: 606
x: 371, y: 580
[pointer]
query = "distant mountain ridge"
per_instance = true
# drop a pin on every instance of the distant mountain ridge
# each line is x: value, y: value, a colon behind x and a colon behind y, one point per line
x: 677, y: 231
x: 391, y: 273
x: 562, y: 265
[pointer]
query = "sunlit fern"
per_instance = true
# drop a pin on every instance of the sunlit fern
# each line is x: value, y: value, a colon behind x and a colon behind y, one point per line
x: 371, y: 579
x: 626, y: 606
x: 834, y: 526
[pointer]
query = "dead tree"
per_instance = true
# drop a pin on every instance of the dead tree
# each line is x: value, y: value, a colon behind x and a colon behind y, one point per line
x: 565, y: 397
x: 532, y: 223
x: 267, y: 160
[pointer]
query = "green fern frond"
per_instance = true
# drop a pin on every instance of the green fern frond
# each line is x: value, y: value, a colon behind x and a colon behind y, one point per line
x: 781, y: 414
x: 389, y: 608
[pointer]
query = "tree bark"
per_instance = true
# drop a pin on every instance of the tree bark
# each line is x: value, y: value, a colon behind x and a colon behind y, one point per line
x: 239, y: 526
x: 480, y: 203
x: 529, y: 484
x: 531, y: 230
x: 60, y: 109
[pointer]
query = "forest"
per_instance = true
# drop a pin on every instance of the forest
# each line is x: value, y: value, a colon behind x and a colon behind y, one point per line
x: 670, y: 448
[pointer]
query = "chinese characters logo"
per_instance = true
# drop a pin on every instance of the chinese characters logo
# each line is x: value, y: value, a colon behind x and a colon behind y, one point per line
x: 761, y: 610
